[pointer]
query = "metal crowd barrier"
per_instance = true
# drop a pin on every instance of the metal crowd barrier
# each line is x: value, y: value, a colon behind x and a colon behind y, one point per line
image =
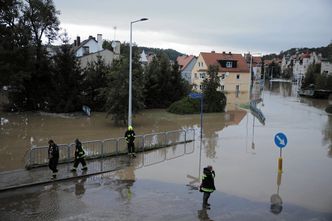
x: 38, y: 156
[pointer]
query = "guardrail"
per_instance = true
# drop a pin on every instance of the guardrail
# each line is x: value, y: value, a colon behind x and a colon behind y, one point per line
x: 38, y: 156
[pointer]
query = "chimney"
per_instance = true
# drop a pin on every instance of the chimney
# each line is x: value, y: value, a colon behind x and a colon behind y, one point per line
x: 213, y: 52
x: 75, y: 43
x: 229, y: 52
x: 116, y: 47
x: 78, y: 41
x: 223, y: 52
x: 100, y: 41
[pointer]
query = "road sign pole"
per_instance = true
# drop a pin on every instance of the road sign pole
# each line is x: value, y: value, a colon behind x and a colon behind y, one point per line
x: 280, y: 153
x: 280, y: 140
x: 280, y: 165
x: 201, y: 117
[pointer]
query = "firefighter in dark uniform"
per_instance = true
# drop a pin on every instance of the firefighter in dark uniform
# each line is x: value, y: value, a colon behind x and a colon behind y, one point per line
x: 130, y: 137
x: 79, y: 156
x: 207, y: 185
x: 53, y: 156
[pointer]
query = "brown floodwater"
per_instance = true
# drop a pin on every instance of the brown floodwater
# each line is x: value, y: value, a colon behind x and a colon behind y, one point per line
x: 239, y: 147
x: 21, y: 131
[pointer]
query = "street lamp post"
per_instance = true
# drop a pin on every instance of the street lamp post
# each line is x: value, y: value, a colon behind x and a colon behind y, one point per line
x: 130, y: 72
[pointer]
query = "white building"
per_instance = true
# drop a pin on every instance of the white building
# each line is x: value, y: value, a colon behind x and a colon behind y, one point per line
x: 326, y: 67
x: 143, y: 58
x: 90, y: 49
x: 302, y: 62
x: 91, y: 45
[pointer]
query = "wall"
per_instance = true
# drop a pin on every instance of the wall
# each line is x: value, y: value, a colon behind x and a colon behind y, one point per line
x: 106, y: 54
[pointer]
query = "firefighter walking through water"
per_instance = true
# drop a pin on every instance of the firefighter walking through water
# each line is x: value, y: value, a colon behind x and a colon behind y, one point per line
x: 79, y: 156
x: 53, y: 156
x: 207, y: 186
x: 130, y: 137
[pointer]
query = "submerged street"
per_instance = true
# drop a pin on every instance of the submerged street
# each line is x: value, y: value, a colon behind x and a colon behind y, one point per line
x: 160, y: 184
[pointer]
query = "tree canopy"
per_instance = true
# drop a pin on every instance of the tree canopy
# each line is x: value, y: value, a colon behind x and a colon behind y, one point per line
x: 214, y: 100
x: 116, y: 91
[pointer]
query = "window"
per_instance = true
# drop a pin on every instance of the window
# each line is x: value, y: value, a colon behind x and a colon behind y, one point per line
x: 200, y: 87
x: 238, y: 77
x: 222, y: 87
x: 195, y: 75
x: 202, y: 75
x: 229, y: 64
x: 237, y: 90
x: 86, y: 50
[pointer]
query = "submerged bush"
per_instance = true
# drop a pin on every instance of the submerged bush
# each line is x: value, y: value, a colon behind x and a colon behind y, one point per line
x: 185, y: 106
x: 328, y: 109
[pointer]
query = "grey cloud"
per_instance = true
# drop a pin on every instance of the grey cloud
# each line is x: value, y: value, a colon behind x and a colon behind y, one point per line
x: 266, y: 25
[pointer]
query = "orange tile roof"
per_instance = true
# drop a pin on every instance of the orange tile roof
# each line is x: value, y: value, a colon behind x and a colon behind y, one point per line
x: 184, y: 60
x: 256, y: 60
x: 213, y: 58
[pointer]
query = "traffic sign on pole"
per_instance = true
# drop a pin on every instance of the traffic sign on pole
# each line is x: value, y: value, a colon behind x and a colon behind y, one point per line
x: 194, y: 95
x: 280, y: 140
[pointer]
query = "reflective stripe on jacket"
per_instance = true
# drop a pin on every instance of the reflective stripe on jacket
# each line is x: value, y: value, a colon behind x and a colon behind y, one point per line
x: 208, y: 181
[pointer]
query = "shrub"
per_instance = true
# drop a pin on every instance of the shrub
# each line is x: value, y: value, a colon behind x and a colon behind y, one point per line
x: 185, y: 106
x: 328, y: 109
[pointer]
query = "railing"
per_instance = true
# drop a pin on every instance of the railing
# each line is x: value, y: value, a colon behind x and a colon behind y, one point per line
x: 38, y: 156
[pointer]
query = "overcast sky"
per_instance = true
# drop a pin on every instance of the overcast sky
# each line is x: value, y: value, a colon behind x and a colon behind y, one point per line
x: 191, y: 27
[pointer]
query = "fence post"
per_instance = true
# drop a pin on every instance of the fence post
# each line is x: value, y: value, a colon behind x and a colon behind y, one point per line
x: 117, y: 146
x: 102, y: 148
x: 30, y: 156
x: 68, y: 154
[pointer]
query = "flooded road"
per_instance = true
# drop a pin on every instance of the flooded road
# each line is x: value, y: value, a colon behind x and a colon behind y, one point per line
x: 21, y: 131
x: 240, y: 148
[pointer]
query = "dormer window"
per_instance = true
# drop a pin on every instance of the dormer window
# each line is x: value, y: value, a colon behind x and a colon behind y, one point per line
x: 228, y: 63
x: 86, y: 50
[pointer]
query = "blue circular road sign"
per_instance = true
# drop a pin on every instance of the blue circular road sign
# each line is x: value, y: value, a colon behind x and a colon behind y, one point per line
x: 280, y: 140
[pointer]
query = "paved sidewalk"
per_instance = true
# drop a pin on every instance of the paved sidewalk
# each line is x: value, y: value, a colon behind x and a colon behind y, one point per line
x: 24, y: 178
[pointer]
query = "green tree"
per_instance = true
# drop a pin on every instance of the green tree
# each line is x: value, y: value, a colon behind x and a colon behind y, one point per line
x: 41, y: 19
x: 95, y: 80
x: 15, y: 52
x: 152, y: 86
x: 310, y: 76
x: 25, y: 61
x: 179, y: 86
x: 214, y: 100
x: 323, y: 81
x: 163, y: 83
x: 116, y: 91
x: 66, y: 81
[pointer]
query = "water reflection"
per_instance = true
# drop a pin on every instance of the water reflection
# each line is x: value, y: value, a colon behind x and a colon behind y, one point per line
x: 216, y: 123
x: 285, y: 89
x: 126, y: 181
x: 327, y: 135
x: 203, y: 215
x: 234, y: 100
x: 276, y: 201
x: 80, y: 185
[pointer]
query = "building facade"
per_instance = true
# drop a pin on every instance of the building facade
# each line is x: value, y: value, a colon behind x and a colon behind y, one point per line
x: 90, y: 49
x: 326, y: 67
x: 233, y: 71
x: 186, y: 65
